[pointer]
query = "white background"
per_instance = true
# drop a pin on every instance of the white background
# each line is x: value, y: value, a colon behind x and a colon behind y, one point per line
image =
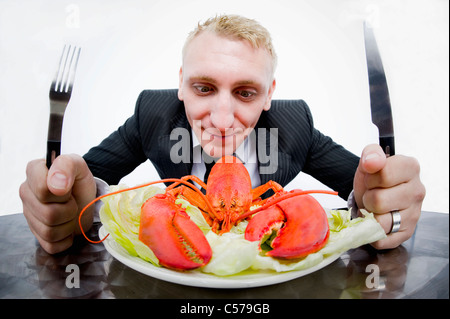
x: 128, y: 46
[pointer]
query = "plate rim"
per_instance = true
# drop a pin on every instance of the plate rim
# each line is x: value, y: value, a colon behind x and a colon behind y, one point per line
x: 196, y: 278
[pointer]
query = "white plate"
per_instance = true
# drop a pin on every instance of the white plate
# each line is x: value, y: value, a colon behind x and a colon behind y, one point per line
x: 197, y: 278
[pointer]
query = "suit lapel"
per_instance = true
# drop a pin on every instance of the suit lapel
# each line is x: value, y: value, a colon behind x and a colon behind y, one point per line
x: 179, y: 142
x: 273, y: 162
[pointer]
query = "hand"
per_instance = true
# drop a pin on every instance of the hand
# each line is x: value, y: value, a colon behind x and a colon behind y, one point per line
x: 52, y: 200
x: 382, y: 185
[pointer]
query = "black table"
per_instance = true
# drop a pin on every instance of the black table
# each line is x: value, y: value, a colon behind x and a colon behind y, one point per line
x: 416, y: 269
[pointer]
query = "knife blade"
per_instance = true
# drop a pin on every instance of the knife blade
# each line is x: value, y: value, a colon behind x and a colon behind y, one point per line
x: 380, y: 104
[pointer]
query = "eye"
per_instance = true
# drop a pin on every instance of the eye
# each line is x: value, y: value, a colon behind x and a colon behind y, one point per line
x: 246, y: 94
x: 203, y: 89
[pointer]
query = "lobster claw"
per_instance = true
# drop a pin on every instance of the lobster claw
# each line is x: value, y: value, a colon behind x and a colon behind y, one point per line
x: 168, y: 231
x: 300, y: 223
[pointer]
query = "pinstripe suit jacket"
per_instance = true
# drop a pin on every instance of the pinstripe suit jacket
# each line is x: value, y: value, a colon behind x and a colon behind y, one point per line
x: 146, y: 135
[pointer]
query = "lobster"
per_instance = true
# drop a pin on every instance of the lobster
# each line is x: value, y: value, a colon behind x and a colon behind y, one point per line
x: 295, y: 222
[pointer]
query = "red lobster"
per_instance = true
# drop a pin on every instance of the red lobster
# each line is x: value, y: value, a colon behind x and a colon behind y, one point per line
x: 296, y: 221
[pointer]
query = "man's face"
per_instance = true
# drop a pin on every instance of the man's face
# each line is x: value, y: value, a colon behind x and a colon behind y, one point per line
x: 225, y: 85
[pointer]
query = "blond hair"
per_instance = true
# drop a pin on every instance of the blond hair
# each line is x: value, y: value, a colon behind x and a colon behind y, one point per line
x: 236, y: 27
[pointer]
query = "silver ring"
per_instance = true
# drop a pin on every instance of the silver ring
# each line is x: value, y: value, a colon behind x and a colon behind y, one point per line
x: 396, y: 221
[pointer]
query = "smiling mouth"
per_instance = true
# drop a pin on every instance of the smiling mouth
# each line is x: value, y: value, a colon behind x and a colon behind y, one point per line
x: 222, y: 137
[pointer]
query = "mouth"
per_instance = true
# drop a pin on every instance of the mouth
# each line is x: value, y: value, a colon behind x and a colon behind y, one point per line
x: 222, y: 137
x: 218, y: 143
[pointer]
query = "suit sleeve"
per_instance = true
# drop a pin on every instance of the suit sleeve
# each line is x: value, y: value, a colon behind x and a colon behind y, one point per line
x: 120, y: 153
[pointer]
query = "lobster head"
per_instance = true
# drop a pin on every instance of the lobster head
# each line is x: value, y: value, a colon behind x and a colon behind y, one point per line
x: 229, y: 187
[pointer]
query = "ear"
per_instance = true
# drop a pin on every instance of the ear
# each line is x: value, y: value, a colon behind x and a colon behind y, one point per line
x: 180, y: 84
x: 269, y: 95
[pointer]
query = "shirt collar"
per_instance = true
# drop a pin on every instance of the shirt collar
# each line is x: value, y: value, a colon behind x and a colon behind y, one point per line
x: 246, y: 152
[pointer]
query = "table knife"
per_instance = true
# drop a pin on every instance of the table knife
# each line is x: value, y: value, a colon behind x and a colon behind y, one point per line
x: 380, y: 104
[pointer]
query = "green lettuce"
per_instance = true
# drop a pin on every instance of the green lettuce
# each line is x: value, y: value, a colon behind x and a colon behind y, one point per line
x: 120, y: 215
x: 232, y: 253
x: 345, y: 234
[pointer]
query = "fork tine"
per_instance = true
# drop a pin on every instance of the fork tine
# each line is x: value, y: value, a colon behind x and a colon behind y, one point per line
x: 72, y: 69
x: 56, y: 84
x: 65, y: 71
x: 65, y: 75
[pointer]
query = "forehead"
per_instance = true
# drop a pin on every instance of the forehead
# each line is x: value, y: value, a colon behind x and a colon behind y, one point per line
x: 209, y: 55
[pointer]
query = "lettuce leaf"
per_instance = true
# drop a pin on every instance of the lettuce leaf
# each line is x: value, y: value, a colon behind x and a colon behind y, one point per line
x: 232, y: 253
x: 120, y: 215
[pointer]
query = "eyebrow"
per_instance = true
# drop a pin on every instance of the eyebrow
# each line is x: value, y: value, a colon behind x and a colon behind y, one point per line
x: 205, y: 78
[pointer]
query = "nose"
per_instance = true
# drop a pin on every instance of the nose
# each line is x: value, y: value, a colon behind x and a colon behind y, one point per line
x: 222, y: 112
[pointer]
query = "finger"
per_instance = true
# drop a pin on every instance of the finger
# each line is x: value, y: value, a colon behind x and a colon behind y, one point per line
x: 51, y: 214
x: 398, y: 169
x: 384, y: 200
x: 372, y: 159
x: 55, y: 247
x: 409, y: 219
x: 36, y: 173
x: 71, y: 173
x: 400, y: 197
x: 83, y: 190
x: 391, y: 241
x: 50, y: 234
x: 62, y: 175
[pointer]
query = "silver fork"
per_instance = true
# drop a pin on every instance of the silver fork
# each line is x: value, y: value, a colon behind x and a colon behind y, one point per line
x: 60, y: 92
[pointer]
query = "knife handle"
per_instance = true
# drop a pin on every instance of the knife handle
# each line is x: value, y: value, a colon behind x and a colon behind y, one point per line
x: 388, y: 145
x: 53, y: 151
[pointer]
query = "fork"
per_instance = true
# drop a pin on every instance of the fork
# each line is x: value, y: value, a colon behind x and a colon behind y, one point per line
x: 60, y: 92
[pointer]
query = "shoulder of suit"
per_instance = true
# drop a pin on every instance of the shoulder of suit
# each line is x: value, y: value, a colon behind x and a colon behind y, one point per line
x: 285, y: 105
x: 169, y: 95
x: 159, y: 102
x: 288, y: 111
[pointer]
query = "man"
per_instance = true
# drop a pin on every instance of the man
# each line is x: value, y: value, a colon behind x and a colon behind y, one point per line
x: 225, y: 94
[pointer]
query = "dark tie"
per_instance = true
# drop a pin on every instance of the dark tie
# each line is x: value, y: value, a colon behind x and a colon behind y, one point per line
x: 209, y: 166
x: 209, y: 163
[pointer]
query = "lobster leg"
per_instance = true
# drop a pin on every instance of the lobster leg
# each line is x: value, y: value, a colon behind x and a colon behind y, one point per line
x: 305, y: 227
x: 193, y: 197
x: 174, y: 239
x: 258, y: 191
x: 186, y: 178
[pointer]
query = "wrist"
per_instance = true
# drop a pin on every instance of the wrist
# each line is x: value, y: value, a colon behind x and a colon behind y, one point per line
x: 102, y: 189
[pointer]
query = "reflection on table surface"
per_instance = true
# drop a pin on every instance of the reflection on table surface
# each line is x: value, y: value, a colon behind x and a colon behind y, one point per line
x: 416, y: 269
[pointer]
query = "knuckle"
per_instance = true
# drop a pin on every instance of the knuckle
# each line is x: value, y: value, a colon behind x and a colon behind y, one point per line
x: 48, y: 234
x: 420, y: 193
x: 54, y: 248
x: 49, y: 214
x: 415, y: 166
x: 373, y: 200
x: 23, y: 189
x: 30, y: 167
x: 378, y: 245
x: 386, y: 243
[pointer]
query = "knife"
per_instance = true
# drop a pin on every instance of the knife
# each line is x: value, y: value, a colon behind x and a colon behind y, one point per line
x: 380, y: 104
